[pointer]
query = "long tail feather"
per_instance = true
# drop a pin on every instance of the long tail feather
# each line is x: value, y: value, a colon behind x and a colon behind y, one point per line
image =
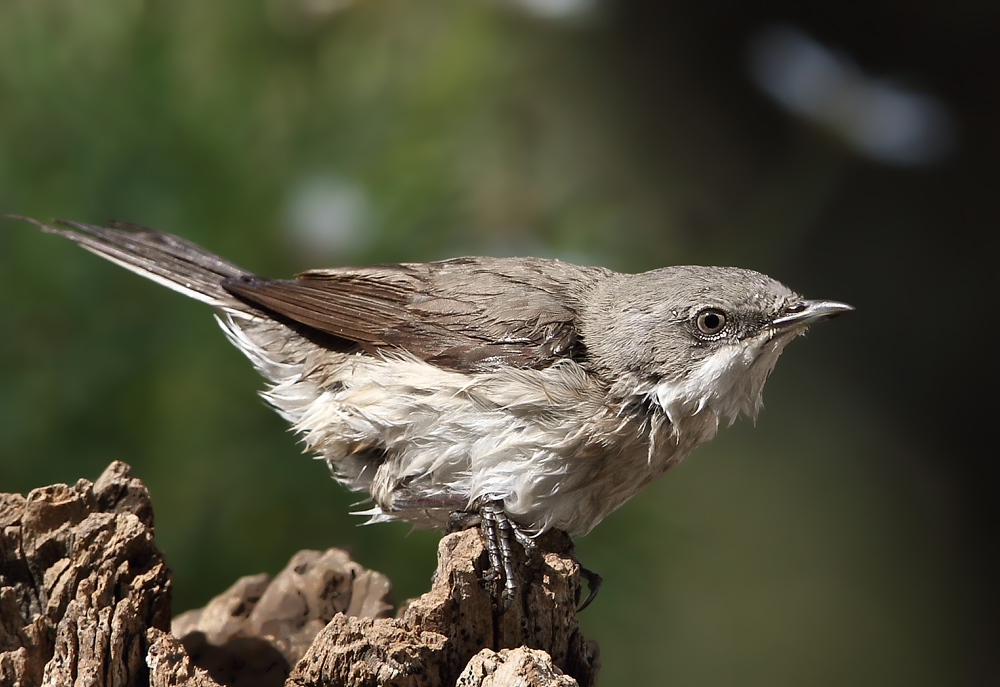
x: 164, y: 258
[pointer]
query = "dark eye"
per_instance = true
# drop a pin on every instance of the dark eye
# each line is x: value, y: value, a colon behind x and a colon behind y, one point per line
x: 711, y: 321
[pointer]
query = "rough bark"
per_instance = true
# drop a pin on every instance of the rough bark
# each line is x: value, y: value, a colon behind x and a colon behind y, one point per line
x: 85, y: 599
x: 80, y: 583
x: 520, y: 666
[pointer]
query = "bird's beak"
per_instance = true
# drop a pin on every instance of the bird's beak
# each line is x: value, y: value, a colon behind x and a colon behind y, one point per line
x: 804, y: 313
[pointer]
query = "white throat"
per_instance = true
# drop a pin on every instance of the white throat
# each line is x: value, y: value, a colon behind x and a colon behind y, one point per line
x: 726, y: 383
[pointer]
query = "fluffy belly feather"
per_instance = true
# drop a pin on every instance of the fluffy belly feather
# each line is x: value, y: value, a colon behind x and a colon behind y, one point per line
x: 425, y: 442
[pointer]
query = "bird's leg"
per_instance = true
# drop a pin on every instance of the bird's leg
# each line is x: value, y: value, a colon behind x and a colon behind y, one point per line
x: 488, y: 526
x: 497, y: 530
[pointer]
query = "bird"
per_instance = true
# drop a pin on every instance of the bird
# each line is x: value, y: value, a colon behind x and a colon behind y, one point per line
x: 529, y: 393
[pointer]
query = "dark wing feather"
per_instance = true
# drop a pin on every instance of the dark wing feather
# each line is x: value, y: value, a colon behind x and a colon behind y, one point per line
x: 467, y: 314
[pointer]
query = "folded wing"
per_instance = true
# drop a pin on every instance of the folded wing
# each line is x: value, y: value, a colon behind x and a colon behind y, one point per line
x: 467, y: 314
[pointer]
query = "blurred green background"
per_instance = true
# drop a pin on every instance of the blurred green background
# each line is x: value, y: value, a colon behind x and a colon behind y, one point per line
x: 847, y: 150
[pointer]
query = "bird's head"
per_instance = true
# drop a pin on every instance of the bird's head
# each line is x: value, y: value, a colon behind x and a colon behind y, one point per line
x: 696, y: 338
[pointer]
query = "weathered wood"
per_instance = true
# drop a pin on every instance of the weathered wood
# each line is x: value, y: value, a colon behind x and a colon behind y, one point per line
x: 85, y: 599
x: 80, y: 583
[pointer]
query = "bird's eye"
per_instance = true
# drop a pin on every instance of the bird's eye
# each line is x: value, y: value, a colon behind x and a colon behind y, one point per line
x: 711, y: 321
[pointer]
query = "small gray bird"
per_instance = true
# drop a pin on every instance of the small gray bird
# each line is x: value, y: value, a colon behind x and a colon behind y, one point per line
x: 533, y: 392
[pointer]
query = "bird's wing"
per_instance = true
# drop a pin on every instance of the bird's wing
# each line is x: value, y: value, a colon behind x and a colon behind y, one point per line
x: 467, y: 314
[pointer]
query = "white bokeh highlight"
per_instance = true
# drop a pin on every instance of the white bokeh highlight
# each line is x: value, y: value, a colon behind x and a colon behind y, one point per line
x: 880, y: 119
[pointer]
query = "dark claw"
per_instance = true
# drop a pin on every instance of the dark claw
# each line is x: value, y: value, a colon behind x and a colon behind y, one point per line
x: 506, y: 599
x: 594, y: 582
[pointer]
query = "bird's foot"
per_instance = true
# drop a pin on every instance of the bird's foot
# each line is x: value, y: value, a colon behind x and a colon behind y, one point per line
x: 498, y: 530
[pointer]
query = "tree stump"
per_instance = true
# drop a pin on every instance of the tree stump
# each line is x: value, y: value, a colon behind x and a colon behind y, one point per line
x: 85, y: 599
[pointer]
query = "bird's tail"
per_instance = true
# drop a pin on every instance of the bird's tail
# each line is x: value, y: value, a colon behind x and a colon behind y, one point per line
x: 164, y: 258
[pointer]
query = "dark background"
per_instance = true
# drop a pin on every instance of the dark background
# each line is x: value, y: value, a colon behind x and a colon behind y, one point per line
x: 849, y: 538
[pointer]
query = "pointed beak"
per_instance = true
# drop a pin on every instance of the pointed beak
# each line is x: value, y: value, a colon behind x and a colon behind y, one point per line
x: 804, y: 313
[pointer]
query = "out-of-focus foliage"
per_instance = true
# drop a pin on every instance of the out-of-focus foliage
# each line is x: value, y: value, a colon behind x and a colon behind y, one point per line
x: 289, y: 134
x: 452, y: 117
